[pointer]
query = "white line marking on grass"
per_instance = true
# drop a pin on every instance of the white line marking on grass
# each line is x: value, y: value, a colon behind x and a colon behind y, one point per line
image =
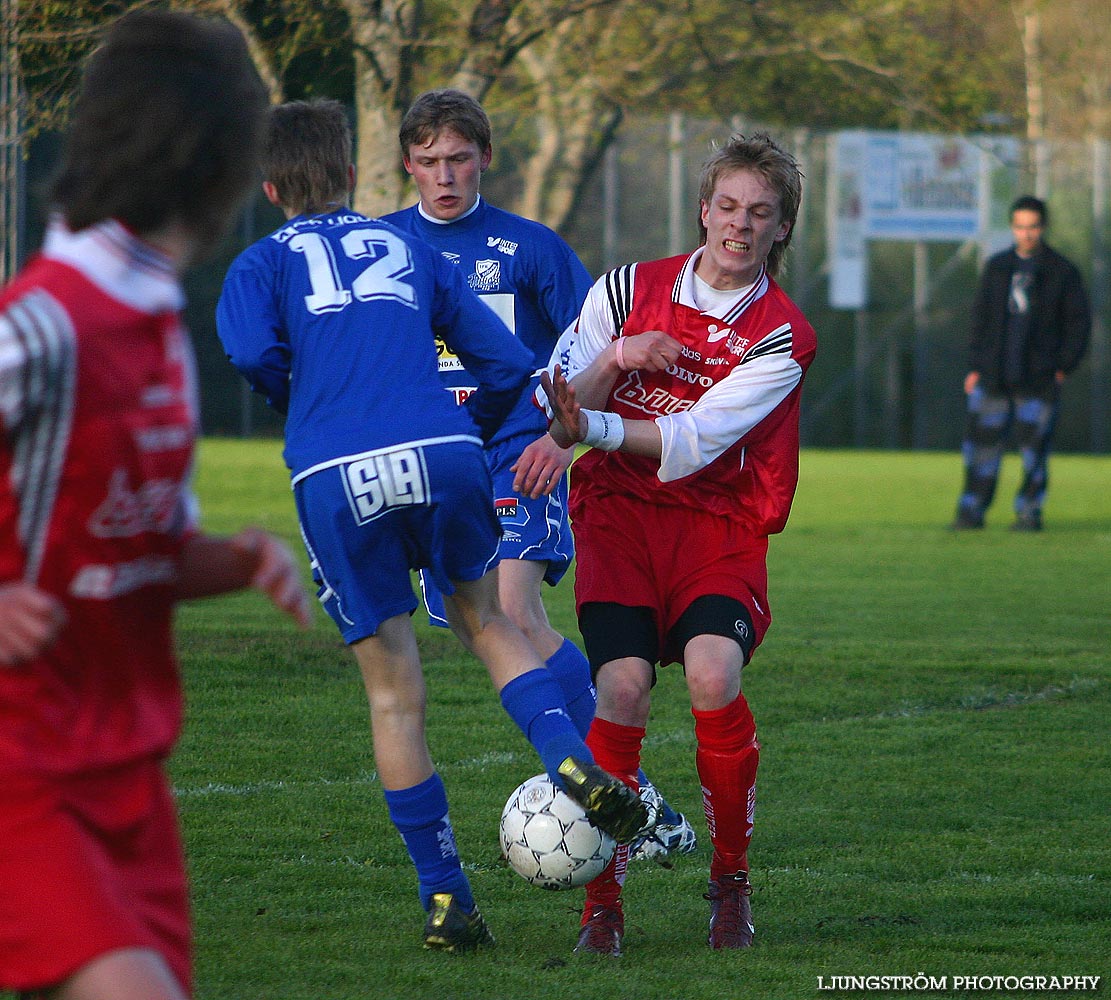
x: 494, y: 758
x: 989, y: 698
x: 258, y: 787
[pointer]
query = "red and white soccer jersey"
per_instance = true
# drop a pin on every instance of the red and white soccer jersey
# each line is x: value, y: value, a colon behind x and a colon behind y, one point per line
x: 98, y: 413
x: 727, y: 410
x: 660, y: 534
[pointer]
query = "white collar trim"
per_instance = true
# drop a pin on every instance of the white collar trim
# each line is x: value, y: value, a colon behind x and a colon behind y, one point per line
x: 728, y: 311
x: 113, y: 259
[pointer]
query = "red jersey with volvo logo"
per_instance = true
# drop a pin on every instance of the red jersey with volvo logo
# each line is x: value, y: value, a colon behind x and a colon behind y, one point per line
x: 727, y: 410
x: 98, y: 417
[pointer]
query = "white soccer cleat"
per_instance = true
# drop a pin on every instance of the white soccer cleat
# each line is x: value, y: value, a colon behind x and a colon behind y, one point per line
x: 664, y: 838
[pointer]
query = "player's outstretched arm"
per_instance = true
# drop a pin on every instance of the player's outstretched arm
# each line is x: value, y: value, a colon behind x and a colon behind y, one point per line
x: 597, y: 428
x: 568, y: 427
x: 212, y: 564
x: 30, y: 620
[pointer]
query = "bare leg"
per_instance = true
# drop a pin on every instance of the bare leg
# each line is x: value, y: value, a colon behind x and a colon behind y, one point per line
x: 128, y: 974
x: 477, y: 618
x: 519, y: 588
x: 395, y: 691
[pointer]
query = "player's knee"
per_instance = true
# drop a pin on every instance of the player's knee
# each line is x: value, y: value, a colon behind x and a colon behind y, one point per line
x: 625, y: 689
x: 526, y: 611
x: 474, y: 607
x: 713, y: 682
x: 1029, y: 436
x: 399, y: 702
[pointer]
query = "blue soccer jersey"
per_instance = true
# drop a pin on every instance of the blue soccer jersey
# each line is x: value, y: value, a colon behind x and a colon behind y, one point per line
x: 338, y: 318
x: 524, y: 272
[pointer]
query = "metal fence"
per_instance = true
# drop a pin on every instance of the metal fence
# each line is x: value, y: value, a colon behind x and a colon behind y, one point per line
x: 12, y: 187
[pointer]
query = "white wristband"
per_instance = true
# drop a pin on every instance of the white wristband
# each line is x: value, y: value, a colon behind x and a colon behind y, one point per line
x: 603, y: 430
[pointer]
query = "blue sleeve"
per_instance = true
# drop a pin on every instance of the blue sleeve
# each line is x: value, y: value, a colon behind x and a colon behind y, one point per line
x: 249, y: 327
x: 561, y: 288
x: 498, y: 361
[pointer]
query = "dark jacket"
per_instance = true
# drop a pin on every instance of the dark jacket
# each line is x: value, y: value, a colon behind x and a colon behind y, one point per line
x: 1060, y: 321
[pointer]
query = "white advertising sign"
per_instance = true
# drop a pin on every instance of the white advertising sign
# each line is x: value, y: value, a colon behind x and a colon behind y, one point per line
x: 910, y: 186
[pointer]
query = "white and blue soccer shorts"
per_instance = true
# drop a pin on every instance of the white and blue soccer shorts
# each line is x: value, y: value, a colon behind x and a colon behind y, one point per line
x: 534, y: 530
x: 368, y: 520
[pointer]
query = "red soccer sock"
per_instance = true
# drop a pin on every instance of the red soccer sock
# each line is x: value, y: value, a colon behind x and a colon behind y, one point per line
x: 617, y: 749
x: 727, y: 758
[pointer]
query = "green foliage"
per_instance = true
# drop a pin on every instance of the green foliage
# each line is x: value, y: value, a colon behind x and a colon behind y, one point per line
x: 53, y: 41
x: 933, y: 788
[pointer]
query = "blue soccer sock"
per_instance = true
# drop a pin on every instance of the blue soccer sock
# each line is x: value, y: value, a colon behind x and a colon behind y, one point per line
x: 668, y: 816
x: 571, y: 669
x: 421, y: 816
x: 534, y: 701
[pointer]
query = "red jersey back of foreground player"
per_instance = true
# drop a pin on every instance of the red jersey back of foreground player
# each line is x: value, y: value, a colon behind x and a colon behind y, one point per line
x: 99, y: 415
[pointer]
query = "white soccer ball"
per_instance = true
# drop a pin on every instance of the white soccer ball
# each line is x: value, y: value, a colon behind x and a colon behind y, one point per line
x: 547, y: 839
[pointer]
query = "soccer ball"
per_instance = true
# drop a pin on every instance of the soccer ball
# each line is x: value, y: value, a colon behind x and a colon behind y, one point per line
x: 547, y: 839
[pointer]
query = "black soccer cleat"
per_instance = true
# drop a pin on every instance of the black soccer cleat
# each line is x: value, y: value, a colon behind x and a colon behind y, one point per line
x: 608, y: 802
x: 450, y: 928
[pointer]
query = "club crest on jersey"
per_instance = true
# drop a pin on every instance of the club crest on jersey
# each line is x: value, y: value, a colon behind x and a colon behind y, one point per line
x: 737, y: 344
x: 486, y: 277
x: 734, y: 342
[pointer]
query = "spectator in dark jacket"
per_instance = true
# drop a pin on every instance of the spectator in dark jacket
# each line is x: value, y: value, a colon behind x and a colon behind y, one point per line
x: 1030, y: 327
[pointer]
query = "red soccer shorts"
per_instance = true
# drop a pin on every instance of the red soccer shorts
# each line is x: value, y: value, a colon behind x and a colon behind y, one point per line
x: 89, y: 864
x: 640, y: 554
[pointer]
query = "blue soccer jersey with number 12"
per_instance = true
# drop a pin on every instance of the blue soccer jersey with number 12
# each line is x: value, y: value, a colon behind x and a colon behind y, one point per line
x: 335, y: 318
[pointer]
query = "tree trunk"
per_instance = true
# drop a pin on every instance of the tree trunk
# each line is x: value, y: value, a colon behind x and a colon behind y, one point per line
x: 384, y: 34
x: 574, y: 124
x: 378, y: 181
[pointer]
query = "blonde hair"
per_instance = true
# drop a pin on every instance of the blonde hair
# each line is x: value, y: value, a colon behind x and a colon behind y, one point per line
x: 779, y: 168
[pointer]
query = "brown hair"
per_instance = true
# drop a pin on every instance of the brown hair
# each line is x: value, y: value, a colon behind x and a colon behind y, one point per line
x: 167, y: 126
x: 308, y: 155
x: 436, y: 110
x: 778, y: 167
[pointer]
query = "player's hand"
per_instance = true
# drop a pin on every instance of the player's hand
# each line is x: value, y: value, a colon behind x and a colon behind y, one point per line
x: 541, y: 467
x: 274, y: 571
x: 651, y: 351
x: 30, y: 620
x: 566, y: 412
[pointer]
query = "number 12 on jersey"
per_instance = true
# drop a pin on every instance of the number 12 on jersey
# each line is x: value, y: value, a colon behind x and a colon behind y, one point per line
x: 382, y: 278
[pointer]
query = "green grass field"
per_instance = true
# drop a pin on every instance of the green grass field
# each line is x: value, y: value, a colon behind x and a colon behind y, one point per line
x: 935, y: 785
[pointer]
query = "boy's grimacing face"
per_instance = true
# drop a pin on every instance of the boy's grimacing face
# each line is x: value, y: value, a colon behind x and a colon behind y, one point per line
x: 743, y: 220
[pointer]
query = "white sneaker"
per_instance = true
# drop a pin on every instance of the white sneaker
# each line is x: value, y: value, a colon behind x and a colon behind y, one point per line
x: 664, y: 838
